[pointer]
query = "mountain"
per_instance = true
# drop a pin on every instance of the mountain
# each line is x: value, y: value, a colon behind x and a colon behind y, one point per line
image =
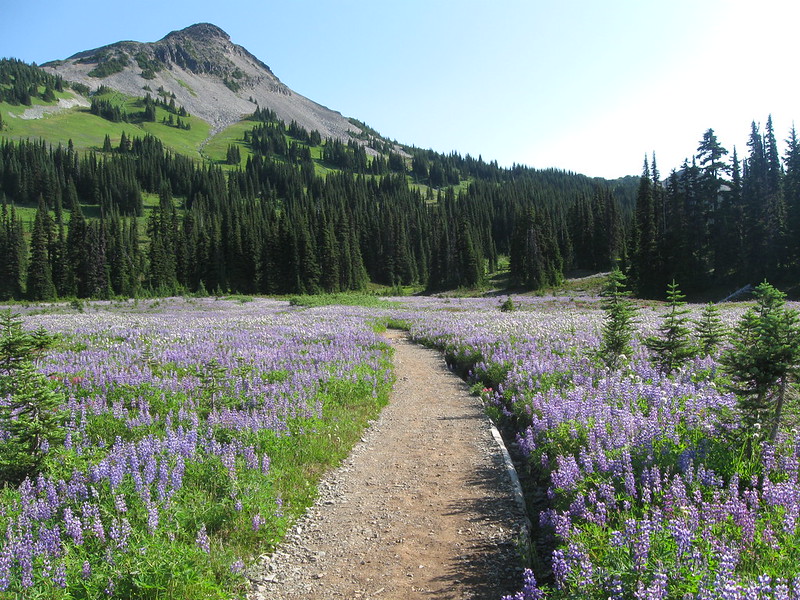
x: 213, y: 78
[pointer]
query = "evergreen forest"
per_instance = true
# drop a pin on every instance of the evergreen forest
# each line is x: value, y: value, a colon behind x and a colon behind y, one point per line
x: 721, y: 221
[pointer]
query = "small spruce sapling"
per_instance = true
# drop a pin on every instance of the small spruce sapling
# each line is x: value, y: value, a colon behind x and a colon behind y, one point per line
x: 618, y: 327
x: 763, y: 358
x: 508, y: 305
x: 30, y: 413
x: 710, y: 330
x: 672, y: 347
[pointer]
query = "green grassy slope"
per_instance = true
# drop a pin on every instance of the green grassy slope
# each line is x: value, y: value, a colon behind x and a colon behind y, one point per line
x: 87, y: 131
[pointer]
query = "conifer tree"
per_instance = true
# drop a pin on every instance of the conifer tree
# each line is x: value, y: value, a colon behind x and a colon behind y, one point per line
x: 615, y: 347
x: 97, y: 272
x: 646, y: 243
x: 12, y: 253
x: 791, y: 192
x: 160, y: 228
x: 40, y: 276
x: 77, y: 255
x: 31, y: 415
x: 329, y: 254
x: 710, y: 330
x: 672, y: 347
x: 763, y: 358
x: 470, y: 262
x: 58, y: 253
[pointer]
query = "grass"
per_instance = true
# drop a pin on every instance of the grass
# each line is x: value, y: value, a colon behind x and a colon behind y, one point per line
x: 217, y: 147
x: 185, y: 85
x: 344, y: 298
x: 348, y: 407
x: 87, y: 131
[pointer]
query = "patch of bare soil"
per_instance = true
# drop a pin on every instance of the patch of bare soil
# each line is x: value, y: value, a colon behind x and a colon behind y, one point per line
x: 37, y: 112
x: 423, y: 507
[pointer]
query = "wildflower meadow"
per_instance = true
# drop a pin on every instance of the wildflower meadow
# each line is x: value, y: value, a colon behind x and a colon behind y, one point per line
x: 191, y: 431
x: 643, y: 484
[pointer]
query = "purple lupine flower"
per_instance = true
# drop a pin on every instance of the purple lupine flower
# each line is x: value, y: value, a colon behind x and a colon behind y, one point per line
x: 530, y: 590
x: 656, y: 590
x: 561, y: 569
x: 60, y: 575
x: 6, y: 562
x: 73, y: 526
x: 120, y: 532
x: 119, y: 503
x: 152, y: 516
x: 91, y: 520
x: 237, y: 566
x: 202, y: 540
x: 257, y: 522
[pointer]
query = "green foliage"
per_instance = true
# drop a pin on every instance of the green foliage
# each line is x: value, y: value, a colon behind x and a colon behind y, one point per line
x: 232, y: 84
x: 233, y: 155
x: 256, y: 217
x: 673, y: 346
x: 108, y: 66
x: 535, y: 257
x: 710, y: 330
x: 508, y: 305
x: 31, y: 416
x: 615, y: 347
x: 148, y: 66
x: 345, y: 299
x: 764, y: 356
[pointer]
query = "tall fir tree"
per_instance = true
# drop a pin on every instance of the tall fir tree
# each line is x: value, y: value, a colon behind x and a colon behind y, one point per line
x: 40, y: 275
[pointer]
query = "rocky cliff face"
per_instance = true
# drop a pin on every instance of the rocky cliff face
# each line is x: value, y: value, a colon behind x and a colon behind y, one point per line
x: 212, y: 77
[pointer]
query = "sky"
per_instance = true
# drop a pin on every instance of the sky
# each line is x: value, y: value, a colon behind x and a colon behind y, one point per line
x: 581, y: 85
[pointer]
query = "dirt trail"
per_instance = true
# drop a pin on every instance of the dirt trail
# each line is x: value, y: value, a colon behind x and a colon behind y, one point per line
x: 423, y: 507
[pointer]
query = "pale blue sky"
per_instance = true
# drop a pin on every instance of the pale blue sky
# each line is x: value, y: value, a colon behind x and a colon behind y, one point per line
x: 581, y: 85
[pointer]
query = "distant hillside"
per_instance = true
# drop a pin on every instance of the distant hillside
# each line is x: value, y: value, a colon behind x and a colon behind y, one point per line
x: 213, y: 78
x: 147, y: 169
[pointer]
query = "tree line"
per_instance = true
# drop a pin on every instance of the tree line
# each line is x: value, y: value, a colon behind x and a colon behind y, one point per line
x: 720, y: 221
x: 274, y: 226
x: 20, y: 83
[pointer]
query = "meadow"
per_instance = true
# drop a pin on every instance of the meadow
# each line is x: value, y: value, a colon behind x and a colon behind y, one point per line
x: 640, y: 483
x: 196, y: 428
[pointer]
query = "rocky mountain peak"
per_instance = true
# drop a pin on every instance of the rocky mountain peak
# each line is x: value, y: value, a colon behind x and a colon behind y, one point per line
x: 202, y: 32
x: 206, y: 73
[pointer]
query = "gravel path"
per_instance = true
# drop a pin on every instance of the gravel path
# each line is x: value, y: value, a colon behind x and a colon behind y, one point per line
x: 423, y: 507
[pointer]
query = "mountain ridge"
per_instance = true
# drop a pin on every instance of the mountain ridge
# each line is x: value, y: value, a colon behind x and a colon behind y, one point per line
x: 212, y: 77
